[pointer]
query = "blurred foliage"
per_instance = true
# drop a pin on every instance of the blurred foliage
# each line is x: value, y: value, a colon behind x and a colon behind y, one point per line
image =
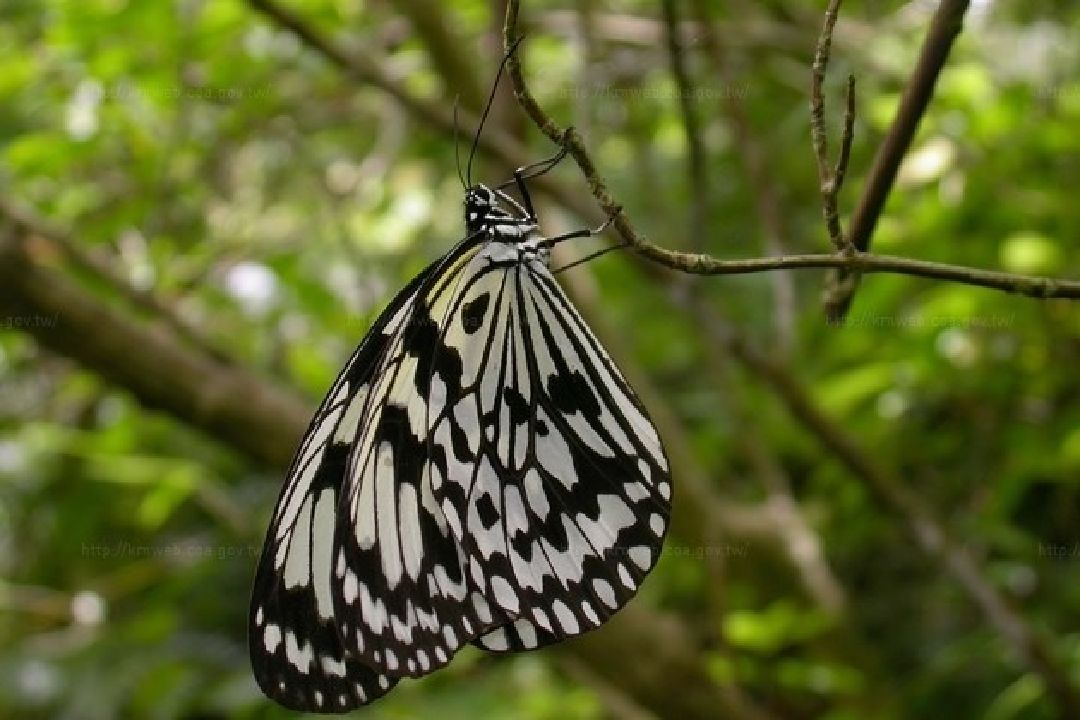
x: 210, y: 157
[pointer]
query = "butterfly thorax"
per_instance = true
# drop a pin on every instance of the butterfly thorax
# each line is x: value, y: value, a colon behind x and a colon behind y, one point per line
x: 498, y: 218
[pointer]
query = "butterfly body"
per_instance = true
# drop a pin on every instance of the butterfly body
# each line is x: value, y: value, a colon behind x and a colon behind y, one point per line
x: 479, y: 472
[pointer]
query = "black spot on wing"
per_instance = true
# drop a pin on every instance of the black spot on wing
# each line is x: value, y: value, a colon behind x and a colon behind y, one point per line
x: 460, y: 441
x: 485, y: 508
x: 520, y: 409
x: 570, y: 391
x: 522, y: 544
x: 423, y: 340
x: 472, y: 314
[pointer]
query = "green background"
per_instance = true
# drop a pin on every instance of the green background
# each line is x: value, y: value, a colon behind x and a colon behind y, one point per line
x: 233, y: 179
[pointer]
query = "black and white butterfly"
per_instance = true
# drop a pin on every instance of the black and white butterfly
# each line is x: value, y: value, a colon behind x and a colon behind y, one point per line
x: 480, y: 472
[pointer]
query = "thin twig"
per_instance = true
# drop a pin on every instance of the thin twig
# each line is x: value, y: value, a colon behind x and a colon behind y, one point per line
x: 845, y: 140
x: 829, y: 179
x: 700, y: 264
x: 585, y: 39
x: 944, y: 27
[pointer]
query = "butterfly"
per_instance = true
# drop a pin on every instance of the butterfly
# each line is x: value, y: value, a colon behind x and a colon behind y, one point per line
x: 479, y: 472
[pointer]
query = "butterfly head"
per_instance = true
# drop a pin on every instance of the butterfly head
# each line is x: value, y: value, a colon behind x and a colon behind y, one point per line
x: 486, y: 209
x: 480, y: 200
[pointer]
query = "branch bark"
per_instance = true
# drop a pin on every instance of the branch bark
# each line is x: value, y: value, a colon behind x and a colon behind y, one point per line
x: 28, y: 221
x: 251, y: 414
x: 831, y: 179
x: 700, y: 264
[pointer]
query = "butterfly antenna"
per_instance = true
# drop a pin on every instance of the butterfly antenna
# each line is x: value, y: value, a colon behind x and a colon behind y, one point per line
x: 592, y: 256
x: 457, y: 144
x: 487, y: 107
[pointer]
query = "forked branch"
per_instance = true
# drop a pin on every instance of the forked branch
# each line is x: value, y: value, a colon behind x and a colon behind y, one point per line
x: 944, y: 27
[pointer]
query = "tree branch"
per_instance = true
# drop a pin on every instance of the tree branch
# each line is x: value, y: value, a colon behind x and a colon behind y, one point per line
x: 253, y: 415
x: 26, y: 220
x: 702, y: 264
x: 944, y: 27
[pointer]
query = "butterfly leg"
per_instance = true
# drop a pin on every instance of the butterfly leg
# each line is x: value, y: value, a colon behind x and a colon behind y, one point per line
x: 533, y: 170
x: 538, y: 168
x: 584, y: 232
